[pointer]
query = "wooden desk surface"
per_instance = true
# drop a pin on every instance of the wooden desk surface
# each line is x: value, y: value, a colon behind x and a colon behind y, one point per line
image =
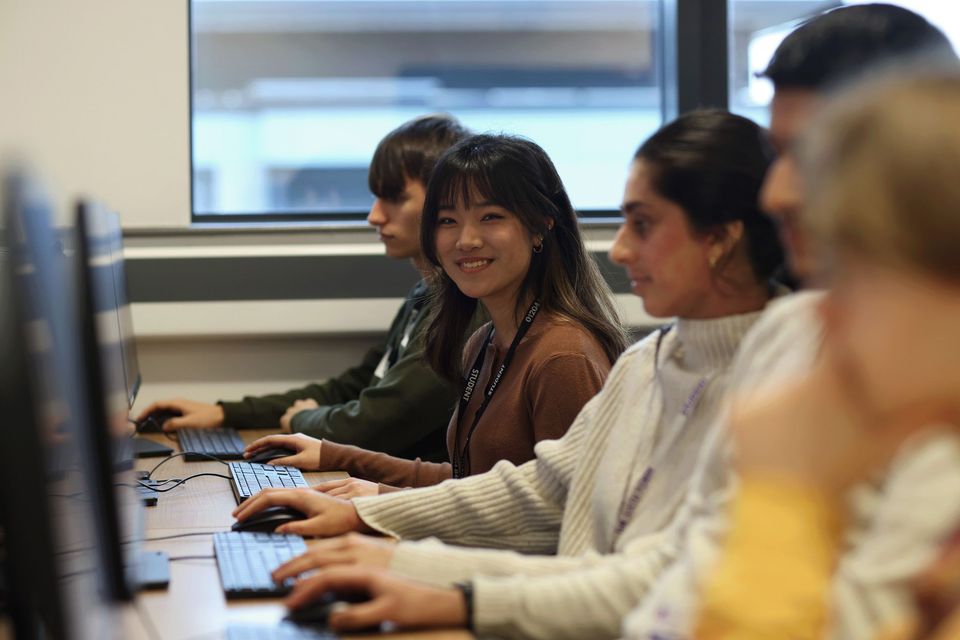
x: 194, y: 608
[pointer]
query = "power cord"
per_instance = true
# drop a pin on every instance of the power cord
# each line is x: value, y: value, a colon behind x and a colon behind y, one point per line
x: 181, y: 454
x: 176, y: 483
x: 179, y: 535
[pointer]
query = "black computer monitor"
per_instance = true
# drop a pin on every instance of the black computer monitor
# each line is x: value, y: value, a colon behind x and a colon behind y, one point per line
x: 120, y: 521
x: 51, y: 551
x: 131, y: 364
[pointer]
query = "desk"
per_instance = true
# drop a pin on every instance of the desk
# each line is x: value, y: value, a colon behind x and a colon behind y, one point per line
x: 194, y: 608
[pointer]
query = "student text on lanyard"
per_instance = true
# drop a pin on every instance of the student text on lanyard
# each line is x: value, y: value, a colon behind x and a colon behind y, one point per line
x: 461, y: 458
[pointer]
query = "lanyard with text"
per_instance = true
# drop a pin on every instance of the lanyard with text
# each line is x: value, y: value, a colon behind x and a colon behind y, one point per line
x: 461, y: 460
x: 630, y: 502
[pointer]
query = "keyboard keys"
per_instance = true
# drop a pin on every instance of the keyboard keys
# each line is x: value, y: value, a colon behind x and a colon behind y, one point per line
x: 219, y: 443
x: 246, y: 559
x: 282, y: 631
x: 250, y: 478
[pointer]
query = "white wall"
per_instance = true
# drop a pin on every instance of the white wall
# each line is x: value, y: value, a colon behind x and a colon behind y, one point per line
x: 95, y: 95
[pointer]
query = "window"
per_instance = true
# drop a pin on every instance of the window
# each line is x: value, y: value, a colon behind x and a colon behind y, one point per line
x: 290, y: 98
x: 757, y: 27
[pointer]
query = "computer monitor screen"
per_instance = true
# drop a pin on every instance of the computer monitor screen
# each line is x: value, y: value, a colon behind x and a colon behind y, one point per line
x: 120, y: 524
x: 49, y: 506
x: 131, y: 364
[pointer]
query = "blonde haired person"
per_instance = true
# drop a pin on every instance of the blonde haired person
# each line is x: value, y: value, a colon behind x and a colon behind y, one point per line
x: 883, y: 201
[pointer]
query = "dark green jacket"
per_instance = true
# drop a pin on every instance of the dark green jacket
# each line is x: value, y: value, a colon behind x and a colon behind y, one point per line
x: 405, y: 413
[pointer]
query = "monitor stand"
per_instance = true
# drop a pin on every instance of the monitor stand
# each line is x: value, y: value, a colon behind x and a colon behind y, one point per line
x: 154, y: 572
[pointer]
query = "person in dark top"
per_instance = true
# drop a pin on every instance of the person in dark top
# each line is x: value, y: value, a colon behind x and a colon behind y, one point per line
x: 391, y: 401
x: 502, y: 235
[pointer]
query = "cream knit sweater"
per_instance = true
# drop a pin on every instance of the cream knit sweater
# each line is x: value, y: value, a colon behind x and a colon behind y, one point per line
x: 557, y: 514
x: 897, y: 522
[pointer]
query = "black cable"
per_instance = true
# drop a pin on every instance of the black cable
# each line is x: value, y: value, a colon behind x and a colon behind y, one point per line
x: 177, y: 558
x: 177, y: 483
x: 179, y: 535
x: 183, y: 453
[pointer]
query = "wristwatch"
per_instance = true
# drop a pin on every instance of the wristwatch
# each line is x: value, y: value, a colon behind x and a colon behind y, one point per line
x: 466, y: 588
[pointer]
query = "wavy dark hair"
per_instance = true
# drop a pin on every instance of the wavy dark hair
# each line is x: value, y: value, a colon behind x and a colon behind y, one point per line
x: 712, y: 164
x: 516, y: 174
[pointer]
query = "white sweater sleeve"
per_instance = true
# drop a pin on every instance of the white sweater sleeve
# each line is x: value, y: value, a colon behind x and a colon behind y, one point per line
x: 915, y: 510
x: 509, y: 507
x: 585, y: 603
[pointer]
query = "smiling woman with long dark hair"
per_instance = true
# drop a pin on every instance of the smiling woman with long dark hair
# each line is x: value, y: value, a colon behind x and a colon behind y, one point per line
x: 499, y: 230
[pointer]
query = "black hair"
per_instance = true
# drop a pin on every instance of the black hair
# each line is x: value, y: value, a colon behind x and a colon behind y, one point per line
x: 712, y: 164
x: 410, y: 152
x: 516, y: 174
x: 839, y: 45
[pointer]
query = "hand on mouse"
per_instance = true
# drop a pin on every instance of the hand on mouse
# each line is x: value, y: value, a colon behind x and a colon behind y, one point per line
x: 403, y: 602
x: 348, y: 488
x: 352, y: 549
x: 307, y: 448
x: 196, y: 415
x: 295, y: 408
x: 326, y: 516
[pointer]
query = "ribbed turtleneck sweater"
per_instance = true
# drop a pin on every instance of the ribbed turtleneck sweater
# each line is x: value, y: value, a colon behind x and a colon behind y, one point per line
x: 555, y: 565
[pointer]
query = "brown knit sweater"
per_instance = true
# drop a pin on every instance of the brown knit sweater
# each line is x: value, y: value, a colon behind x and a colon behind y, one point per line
x: 557, y: 368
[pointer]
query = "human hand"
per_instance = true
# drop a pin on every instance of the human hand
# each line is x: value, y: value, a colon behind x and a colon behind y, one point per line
x: 403, y: 602
x: 348, y: 488
x: 307, y: 449
x: 352, y: 549
x: 195, y: 415
x: 295, y: 408
x: 326, y: 516
x: 818, y: 429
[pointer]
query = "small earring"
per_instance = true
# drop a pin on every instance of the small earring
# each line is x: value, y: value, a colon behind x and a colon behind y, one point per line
x: 713, y: 262
x: 538, y: 248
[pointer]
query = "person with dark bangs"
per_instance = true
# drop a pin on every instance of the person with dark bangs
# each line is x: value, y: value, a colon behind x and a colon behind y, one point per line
x: 499, y: 231
x: 391, y: 400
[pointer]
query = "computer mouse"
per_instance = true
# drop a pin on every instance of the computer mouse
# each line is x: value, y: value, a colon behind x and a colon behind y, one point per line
x: 266, y: 455
x: 268, y: 519
x: 317, y: 612
x: 153, y: 421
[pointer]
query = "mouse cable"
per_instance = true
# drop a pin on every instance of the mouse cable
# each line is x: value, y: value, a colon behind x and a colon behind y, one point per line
x: 178, y: 558
x: 183, y: 453
x: 142, y: 483
x: 177, y: 483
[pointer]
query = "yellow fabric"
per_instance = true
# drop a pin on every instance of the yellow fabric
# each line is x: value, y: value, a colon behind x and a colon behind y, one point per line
x: 773, y: 579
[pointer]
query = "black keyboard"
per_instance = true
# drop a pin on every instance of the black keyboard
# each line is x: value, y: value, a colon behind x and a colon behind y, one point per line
x: 225, y: 444
x: 246, y: 559
x: 283, y: 631
x: 250, y: 478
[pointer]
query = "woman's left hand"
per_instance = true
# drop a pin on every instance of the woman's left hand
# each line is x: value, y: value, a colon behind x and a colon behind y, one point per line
x: 351, y: 549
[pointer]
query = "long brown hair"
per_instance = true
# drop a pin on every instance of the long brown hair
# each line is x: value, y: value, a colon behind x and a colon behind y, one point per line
x: 517, y: 175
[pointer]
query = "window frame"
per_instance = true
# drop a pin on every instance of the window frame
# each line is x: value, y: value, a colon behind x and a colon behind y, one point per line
x: 694, y: 76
